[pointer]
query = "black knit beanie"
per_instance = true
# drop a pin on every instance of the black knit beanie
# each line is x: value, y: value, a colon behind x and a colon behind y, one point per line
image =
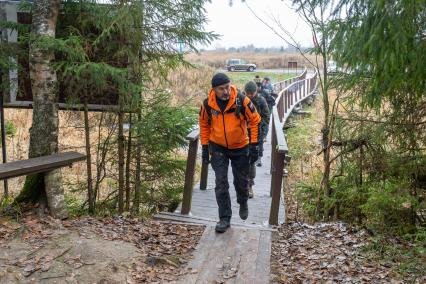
x: 220, y: 79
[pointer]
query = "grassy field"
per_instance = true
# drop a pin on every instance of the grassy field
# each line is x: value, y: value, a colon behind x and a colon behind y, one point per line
x: 191, y: 85
x: 239, y: 79
x: 217, y: 59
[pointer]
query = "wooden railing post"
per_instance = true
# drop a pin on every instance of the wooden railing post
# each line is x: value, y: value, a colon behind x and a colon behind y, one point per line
x: 276, y: 183
x: 193, y: 138
x: 304, y: 88
x: 280, y: 110
x: 288, y: 99
x: 273, y: 145
x: 204, y: 175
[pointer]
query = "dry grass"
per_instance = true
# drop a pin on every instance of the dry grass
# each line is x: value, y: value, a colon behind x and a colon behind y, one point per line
x: 71, y: 138
x: 262, y: 60
x: 190, y: 85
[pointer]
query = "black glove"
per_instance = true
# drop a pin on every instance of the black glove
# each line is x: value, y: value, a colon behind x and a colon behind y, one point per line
x: 254, y: 153
x: 205, y: 154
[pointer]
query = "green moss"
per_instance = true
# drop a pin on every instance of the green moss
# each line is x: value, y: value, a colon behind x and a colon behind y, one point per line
x: 32, y: 190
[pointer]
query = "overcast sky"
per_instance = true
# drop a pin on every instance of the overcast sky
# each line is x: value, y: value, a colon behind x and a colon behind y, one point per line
x: 239, y: 27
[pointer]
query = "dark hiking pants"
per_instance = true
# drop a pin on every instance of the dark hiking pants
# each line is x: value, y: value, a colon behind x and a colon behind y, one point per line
x: 265, y: 129
x: 252, y: 173
x: 239, y: 158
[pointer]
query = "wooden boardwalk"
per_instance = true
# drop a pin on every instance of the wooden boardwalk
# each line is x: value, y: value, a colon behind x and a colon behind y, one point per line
x: 204, y: 201
x: 241, y: 254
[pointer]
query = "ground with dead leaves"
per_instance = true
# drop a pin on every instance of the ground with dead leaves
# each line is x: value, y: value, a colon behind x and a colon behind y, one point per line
x: 327, y: 253
x: 89, y: 250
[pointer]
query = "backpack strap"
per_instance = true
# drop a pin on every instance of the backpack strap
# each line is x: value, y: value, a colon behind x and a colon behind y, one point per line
x: 240, y: 105
x: 239, y: 109
x: 208, y: 110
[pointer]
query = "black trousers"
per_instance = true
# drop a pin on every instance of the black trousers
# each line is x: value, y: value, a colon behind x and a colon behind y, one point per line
x: 265, y: 129
x: 240, y: 169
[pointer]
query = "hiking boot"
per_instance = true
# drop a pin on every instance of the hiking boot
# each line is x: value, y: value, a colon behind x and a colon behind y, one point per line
x: 259, y: 162
x: 244, y: 211
x: 251, y: 192
x: 222, y: 226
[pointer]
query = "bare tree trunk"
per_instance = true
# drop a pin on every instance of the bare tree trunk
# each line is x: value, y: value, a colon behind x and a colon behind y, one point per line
x: 137, y: 198
x: 3, y: 138
x: 326, y: 140
x: 89, y: 159
x: 120, y: 155
x: 44, y: 129
x: 128, y: 159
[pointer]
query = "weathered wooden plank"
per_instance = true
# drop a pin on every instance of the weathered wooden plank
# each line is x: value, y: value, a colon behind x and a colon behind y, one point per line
x: 209, y: 270
x: 193, y: 135
x: 39, y: 164
x: 247, y: 269
x: 263, y: 258
x: 184, y: 220
x: 231, y: 260
x: 200, y: 254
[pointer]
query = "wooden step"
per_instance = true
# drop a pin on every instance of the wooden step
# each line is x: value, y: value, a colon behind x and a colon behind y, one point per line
x: 177, y: 217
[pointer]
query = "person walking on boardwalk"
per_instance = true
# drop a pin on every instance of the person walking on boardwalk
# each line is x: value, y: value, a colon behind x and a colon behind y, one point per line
x: 267, y: 91
x: 261, y: 105
x: 224, y: 119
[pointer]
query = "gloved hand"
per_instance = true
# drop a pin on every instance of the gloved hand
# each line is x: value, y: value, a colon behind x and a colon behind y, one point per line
x: 254, y: 153
x: 205, y: 154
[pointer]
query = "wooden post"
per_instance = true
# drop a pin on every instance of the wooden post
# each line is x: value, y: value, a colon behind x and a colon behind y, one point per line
x: 274, y: 145
x: 280, y: 110
x: 288, y: 99
x: 285, y: 101
x: 3, y: 136
x: 204, y: 175
x: 189, y: 176
x: 277, y: 179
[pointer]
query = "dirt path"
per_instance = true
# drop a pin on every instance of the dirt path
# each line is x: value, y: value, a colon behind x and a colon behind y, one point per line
x: 88, y: 250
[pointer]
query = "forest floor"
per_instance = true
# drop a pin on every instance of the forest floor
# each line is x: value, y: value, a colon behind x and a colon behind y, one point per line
x: 307, y: 252
x: 89, y: 250
x: 335, y: 253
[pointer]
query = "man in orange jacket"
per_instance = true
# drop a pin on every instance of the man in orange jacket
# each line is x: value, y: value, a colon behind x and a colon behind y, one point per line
x: 223, y: 119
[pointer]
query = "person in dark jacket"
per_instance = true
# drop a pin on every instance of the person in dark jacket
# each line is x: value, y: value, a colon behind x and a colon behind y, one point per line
x: 266, y: 92
x: 259, y: 102
x: 224, y: 119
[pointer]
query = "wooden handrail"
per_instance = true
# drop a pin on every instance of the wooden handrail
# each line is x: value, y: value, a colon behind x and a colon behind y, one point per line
x: 279, y: 150
x: 287, y: 99
x: 287, y: 82
x: 193, y: 135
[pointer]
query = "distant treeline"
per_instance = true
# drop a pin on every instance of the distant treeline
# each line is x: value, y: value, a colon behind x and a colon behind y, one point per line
x: 253, y: 49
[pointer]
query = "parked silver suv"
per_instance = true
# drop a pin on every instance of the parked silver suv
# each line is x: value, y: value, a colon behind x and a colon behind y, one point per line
x: 239, y: 64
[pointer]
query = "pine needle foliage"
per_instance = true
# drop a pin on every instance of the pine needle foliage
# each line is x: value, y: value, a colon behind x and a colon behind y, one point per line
x: 105, y: 52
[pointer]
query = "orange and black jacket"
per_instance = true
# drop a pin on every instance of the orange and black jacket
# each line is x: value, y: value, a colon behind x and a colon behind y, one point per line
x: 225, y: 128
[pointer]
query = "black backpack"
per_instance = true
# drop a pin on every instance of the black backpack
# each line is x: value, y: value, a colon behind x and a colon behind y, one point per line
x: 239, y: 109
